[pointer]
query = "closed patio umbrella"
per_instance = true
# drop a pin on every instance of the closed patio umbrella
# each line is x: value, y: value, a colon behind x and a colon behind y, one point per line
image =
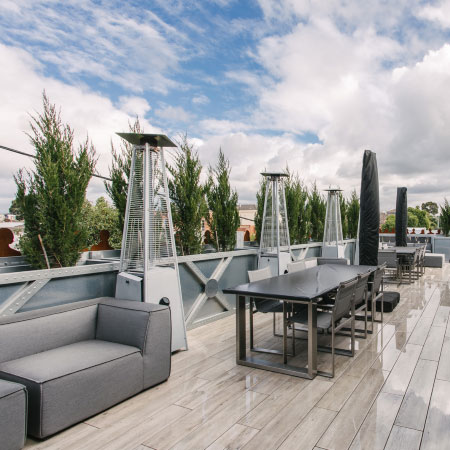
x: 401, y: 217
x: 369, y: 213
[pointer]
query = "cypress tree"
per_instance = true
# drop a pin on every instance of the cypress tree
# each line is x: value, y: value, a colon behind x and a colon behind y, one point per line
x: 317, y: 213
x: 343, y: 207
x: 187, y: 195
x: 51, y: 196
x: 260, y: 207
x: 222, y: 203
x: 353, y: 215
x: 119, y: 173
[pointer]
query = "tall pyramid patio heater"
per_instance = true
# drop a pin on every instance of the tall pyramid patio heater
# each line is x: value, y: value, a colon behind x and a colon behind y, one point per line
x: 275, y: 247
x: 333, y: 242
x: 148, y: 261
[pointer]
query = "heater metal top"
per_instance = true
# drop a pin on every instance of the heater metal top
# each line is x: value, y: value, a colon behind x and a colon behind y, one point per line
x: 274, y: 174
x: 155, y: 140
x: 333, y: 189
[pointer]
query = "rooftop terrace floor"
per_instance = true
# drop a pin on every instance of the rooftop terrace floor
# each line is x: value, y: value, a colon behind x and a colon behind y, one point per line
x: 394, y: 394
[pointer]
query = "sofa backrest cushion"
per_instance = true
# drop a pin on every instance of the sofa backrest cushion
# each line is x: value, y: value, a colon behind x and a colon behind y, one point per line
x: 36, y: 331
x: 118, y: 321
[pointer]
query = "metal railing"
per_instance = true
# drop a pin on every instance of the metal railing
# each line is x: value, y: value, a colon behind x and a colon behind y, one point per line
x: 202, y: 279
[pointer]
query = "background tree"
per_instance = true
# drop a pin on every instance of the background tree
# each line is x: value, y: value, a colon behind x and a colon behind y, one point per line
x: 343, y: 207
x: 260, y: 207
x: 15, y: 209
x: 418, y: 218
x: 102, y: 216
x: 293, y: 194
x: 353, y: 215
x: 431, y: 208
x: 389, y: 224
x: 222, y: 203
x: 119, y: 173
x: 317, y: 206
x: 187, y: 195
x: 444, y: 220
x: 51, y: 196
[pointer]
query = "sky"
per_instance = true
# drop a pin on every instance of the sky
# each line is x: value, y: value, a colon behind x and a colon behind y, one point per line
x: 304, y: 83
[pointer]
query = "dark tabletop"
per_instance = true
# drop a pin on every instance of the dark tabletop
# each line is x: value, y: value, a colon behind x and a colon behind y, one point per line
x: 303, y: 285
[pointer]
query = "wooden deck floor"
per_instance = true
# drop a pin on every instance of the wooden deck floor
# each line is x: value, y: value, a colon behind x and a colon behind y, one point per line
x: 395, y: 394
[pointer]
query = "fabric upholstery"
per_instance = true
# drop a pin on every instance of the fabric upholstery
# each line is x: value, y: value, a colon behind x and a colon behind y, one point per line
x: 310, y: 263
x: 145, y: 325
x: 70, y: 383
x: 27, y: 333
x: 13, y: 413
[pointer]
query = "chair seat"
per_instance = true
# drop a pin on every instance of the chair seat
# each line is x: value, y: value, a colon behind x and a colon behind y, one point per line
x: 323, y: 319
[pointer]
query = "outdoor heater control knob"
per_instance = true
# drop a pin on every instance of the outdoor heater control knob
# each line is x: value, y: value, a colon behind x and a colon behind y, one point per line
x: 164, y: 301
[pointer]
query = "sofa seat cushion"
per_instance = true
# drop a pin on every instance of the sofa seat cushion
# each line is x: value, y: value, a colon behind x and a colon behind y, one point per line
x: 13, y: 412
x: 73, y: 382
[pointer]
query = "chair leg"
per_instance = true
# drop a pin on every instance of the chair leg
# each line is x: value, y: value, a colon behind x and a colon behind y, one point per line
x: 284, y: 334
x: 353, y: 331
x: 251, y: 322
x: 332, y: 349
x: 274, y: 331
x: 293, y: 339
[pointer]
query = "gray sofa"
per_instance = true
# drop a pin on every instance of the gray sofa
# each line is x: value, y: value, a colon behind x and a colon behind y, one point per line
x: 13, y: 411
x: 79, y: 359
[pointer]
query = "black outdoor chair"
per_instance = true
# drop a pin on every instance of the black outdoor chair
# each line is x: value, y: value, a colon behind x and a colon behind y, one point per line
x: 334, y: 318
x: 263, y: 306
x: 392, y: 265
x: 376, y: 294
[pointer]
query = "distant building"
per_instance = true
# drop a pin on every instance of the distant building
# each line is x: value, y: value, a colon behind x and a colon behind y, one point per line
x: 2, y: 217
x: 10, y: 217
x: 247, y: 215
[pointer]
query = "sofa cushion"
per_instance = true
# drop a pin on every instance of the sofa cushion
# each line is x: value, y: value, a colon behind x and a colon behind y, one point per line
x: 24, y: 334
x: 73, y: 382
x: 13, y: 412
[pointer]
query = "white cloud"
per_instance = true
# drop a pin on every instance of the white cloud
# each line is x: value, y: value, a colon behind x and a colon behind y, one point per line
x: 438, y: 13
x: 88, y: 113
x: 85, y: 38
x: 200, y: 100
x: 134, y: 106
x: 173, y: 113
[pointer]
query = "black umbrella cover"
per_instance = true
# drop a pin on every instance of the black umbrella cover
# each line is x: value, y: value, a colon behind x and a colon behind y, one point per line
x: 401, y: 217
x: 369, y: 215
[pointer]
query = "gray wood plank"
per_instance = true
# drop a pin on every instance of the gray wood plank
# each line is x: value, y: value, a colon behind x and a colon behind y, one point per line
x: 403, y: 438
x: 443, y: 372
x: 436, y: 435
x: 374, y: 431
x: 413, y: 411
x: 400, y: 375
x: 344, y: 427
x: 420, y: 333
x: 433, y: 344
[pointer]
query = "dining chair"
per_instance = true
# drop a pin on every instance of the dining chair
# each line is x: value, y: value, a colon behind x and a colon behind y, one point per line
x: 334, y: 318
x: 296, y: 266
x: 375, y: 293
x: 392, y: 264
x: 263, y: 306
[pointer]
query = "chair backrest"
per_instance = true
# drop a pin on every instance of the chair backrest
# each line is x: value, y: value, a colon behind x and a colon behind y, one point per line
x: 296, y: 266
x: 378, y: 278
x: 344, y: 299
x: 322, y: 260
x: 361, y: 288
x: 389, y: 258
x: 310, y: 263
x: 259, y: 274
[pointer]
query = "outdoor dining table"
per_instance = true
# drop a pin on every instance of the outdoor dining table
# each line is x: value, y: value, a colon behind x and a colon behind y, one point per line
x: 304, y: 287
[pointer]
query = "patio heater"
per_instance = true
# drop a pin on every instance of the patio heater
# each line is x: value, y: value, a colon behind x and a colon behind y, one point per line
x: 148, y: 261
x: 275, y: 247
x: 333, y: 242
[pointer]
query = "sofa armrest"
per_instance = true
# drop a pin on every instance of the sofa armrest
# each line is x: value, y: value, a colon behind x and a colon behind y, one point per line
x: 143, y: 325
